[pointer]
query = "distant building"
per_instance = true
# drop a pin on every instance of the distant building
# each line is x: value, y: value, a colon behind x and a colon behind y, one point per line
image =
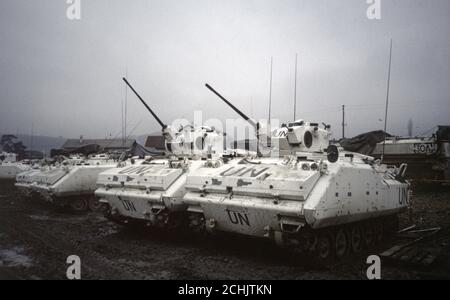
x: 105, y: 144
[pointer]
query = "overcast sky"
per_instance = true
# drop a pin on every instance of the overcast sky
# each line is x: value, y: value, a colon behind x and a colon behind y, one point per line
x: 65, y: 76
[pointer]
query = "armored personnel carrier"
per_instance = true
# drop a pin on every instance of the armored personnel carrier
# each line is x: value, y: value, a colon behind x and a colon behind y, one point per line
x: 10, y: 167
x: 428, y: 158
x: 151, y: 191
x: 303, y: 194
x: 71, y: 183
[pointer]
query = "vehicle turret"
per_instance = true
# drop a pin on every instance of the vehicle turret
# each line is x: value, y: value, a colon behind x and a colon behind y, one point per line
x: 299, y: 136
x: 188, y: 140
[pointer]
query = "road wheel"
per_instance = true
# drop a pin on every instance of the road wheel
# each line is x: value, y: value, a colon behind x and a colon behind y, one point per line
x: 324, y: 249
x: 369, y: 235
x: 79, y: 204
x: 95, y: 205
x: 341, y: 243
x: 356, y: 238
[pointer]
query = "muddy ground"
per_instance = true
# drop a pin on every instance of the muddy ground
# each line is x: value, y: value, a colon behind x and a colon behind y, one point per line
x: 36, y: 239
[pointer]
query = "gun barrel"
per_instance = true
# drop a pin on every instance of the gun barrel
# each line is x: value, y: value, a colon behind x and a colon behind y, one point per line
x: 145, y: 104
x: 244, y: 116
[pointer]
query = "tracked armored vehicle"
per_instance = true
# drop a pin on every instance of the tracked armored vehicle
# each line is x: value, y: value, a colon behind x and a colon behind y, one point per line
x: 303, y: 194
x: 71, y: 183
x: 428, y: 158
x: 10, y: 167
x: 151, y: 192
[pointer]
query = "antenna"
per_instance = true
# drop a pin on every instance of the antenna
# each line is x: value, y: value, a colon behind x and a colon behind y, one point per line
x: 270, y: 93
x: 295, y: 88
x: 387, y: 102
x: 126, y: 108
x: 125, y: 111
x: 122, y: 112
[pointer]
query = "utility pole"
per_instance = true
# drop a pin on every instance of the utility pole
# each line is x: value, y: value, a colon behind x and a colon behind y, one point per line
x: 343, y: 121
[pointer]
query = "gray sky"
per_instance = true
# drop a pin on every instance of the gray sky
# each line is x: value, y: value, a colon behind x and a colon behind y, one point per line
x: 65, y: 76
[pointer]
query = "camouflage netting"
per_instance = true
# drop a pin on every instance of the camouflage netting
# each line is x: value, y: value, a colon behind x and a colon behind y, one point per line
x: 364, y: 143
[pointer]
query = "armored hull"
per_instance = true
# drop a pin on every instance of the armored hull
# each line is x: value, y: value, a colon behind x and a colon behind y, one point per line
x: 151, y: 192
x: 298, y: 199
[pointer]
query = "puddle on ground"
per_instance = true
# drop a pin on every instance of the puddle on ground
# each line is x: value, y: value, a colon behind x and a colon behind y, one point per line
x: 14, y: 258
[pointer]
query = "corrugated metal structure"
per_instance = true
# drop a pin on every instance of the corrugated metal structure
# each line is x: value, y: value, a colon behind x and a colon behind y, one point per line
x: 105, y: 144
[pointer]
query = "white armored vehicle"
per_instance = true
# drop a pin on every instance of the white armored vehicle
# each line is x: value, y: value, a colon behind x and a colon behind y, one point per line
x: 151, y: 191
x: 71, y: 183
x: 10, y: 167
x: 26, y: 180
x: 428, y: 157
x: 302, y: 194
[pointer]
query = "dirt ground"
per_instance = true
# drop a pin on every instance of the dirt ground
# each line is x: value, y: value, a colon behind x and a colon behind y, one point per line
x: 36, y: 239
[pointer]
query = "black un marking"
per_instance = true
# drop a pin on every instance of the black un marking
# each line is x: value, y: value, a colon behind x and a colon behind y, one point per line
x: 282, y: 134
x: 238, y: 218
